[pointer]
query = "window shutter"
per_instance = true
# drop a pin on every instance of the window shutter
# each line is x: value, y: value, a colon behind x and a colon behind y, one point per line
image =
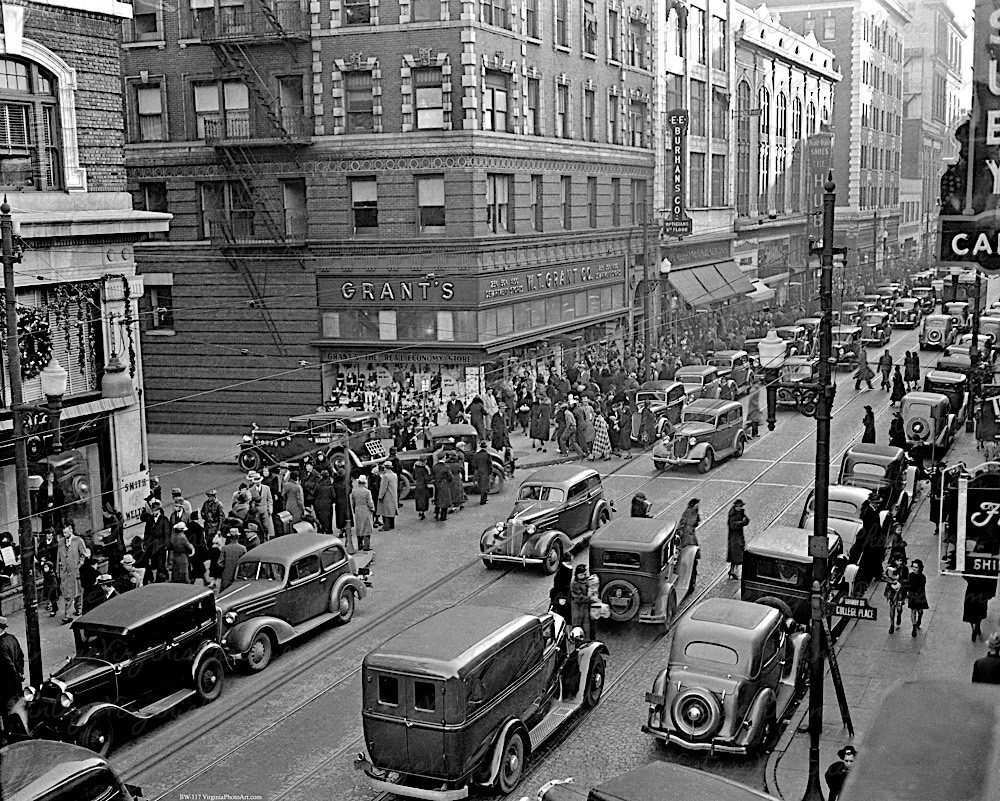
x: 206, y: 97
x: 430, y: 191
x: 149, y: 100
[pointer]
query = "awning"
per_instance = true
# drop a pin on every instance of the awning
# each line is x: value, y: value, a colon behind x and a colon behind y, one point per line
x: 710, y: 283
x: 762, y: 293
x: 99, y: 406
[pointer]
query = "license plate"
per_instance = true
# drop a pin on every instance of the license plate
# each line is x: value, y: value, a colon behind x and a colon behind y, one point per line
x: 654, y: 698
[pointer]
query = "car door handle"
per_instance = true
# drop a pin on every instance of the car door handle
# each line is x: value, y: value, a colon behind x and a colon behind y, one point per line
x: 408, y: 723
x: 323, y: 580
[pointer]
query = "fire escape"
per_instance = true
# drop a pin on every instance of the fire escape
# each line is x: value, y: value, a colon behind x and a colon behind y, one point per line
x: 256, y: 226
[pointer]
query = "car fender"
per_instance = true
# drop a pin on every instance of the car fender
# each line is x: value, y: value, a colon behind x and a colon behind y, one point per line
x: 667, y: 591
x: 348, y: 580
x: 89, y: 712
x: 600, y: 507
x: 764, y: 703
x: 510, y: 726
x: 240, y: 636
x: 698, y: 451
x: 539, y: 544
x: 587, y: 652
x: 208, y: 649
x: 684, y: 568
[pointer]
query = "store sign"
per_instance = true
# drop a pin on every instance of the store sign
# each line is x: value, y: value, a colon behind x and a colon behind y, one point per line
x: 402, y: 357
x: 133, y: 493
x: 820, y: 152
x: 676, y: 222
x: 702, y: 253
x: 509, y: 285
x: 398, y: 290
x: 970, y: 215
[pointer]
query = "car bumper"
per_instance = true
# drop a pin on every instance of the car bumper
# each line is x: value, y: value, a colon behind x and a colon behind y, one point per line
x: 377, y: 779
x: 713, y: 746
x: 504, y: 559
x: 648, y: 616
x: 677, y: 460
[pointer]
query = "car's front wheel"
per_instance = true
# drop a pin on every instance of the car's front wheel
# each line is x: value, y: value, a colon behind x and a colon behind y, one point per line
x: 260, y: 652
x: 511, y: 763
x: 659, y: 465
x: 208, y: 678
x: 342, y: 605
x: 496, y: 482
x: 553, y: 556
x: 98, y: 734
x: 707, y: 461
x: 249, y: 460
x: 595, y: 682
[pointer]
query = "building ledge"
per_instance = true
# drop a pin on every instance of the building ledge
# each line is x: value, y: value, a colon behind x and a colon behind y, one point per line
x: 55, y: 224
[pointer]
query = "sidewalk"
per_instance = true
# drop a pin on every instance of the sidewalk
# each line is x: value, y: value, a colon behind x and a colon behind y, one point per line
x: 871, y: 660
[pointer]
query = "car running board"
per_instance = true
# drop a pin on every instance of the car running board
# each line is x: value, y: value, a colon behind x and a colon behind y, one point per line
x: 164, y: 704
x: 315, y: 623
x: 556, y: 717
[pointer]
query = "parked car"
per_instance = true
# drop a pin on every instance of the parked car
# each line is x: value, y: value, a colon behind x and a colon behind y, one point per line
x: 927, y: 296
x: 851, y: 312
x: 797, y: 338
x: 990, y: 326
x: 955, y: 386
x: 938, y: 331
x: 846, y: 343
x: 811, y: 325
x: 959, y: 311
x: 733, y: 675
x: 906, y: 313
x: 928, y: 421
x: 985, y: 344
x: 453, y: 436
x: 285, y: 588
x: 777, y: 569
x: 666, y: 401
x: 699, y: 380
x: 884, y: 470
x: 891, y: 292
x: 873, y: 302
x: 876, y: 328
x: 710, y: 430
x: 845, y: 519
x: 656, y: 781
x: 309, y: 434
x: 555, y: 512
x: 734, y: 364
x: 139, y: 657
x: 643, y: 573
x: 955, y: 361
x: 45, y: 770
x: 796, y: 371
x: 464, y: 697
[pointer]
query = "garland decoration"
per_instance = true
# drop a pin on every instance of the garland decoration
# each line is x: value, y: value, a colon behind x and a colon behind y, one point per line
x: 34, y: 339
x: 129, y: 322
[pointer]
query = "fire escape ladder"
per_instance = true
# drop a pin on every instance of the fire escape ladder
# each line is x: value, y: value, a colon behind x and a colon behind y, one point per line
x: 242, y: 165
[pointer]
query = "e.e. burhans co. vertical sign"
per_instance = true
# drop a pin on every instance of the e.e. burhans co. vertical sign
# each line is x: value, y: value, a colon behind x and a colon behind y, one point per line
x: 970, y: 187
x: 676, y: 222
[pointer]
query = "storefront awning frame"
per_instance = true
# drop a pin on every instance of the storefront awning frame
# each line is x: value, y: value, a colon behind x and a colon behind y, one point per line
x: 709, y: 284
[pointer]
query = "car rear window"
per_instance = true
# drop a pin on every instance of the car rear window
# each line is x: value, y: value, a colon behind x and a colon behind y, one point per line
x: 712, y: 652
x: 388, y: 690
x: 260, y: 571
x: 868, y: 469
x: 621, y: 559
x: 842, y: 510
x: 780, y: 571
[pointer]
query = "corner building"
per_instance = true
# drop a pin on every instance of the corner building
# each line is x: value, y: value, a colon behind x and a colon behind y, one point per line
x: 435, y: 190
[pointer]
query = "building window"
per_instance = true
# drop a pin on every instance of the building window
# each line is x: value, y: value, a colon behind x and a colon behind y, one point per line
x: 696, y: 181
x: 763, y: 177
x: 494, y: 12
x: 829, y: 27
x: 222, y: 110
x: 720, y: 179
x: 153, y: 197
x: 357, y: 12
x: 425, y: 10
x: 430, y: 201
x: 293, y: 197
x: 358, y: 102
x: 387, y: 328
x: 809, y: 26
x: 796, y: 119
x: 589, y: 28
x: 429, y: 98
x: 592, y: 201
x: 637, y: 44
x: 697, y: 108
x: 810, y: 119
x: 720, y: 47
x: 720, y: 114
x: 537, y: 203
x: 533, y: 119
x: 614, y: 36
x: 589, y: 113
x: 637, y: 123
x: 531, y: 18
x: 614, y: 121
x: 149, y: 113
x: 147, y: 21
x: 674, y: 91
x: 227, y: 211
x: 616, y: 201
x: 779, y: 178
x: 764, y: 104
x: 638, y: 202
x: 562, y: 23
x: 498, y: 203
x: 781, y: 120
x: 743, y: 149
x: 562, y: 111
x: 156, y: 306
x: 676, y: 36
x: 566, y: 201
x: 495, y: 102
x: 700, y: 34
x: 364, y: 203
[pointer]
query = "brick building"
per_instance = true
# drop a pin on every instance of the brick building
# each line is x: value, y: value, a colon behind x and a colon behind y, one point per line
x: 62, y: 168
x: 429, y: 189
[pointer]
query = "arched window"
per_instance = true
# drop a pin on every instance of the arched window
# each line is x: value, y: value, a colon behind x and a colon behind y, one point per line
x: 796, y: 119
x: 29, y: 127
x: 743, y: 149
x: 825, y: 114
x: 810, y: 119
x: 781, y: 121
x: 765, y: 110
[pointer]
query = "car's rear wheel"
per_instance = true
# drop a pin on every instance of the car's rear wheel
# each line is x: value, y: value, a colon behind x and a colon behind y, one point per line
x: 208, y: 678
x: 603, y: 518
x: 767, y: 730
x: 98, y: 734
x: 707, y: 461
x: 553, y: 556
x: 511, y: 763
x: 595, y: 682
x: 260, y: 652
x: 342, y: 605
x: 249, y: 460
x: 741, y: 445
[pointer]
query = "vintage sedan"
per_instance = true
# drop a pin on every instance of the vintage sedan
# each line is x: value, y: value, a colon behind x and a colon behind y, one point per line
x: 846, y: 343
x: 876, y: 328
x: 938, y: 331
x: 906, y: 313
x: 811, y: 325
x: 733, y: 675
x: 644, y: 575
x: 453, y: 436
x: 139, y: 657
x: 797, y: 338
x: 666, y: 401
x: 884, y: 470
x: 929, y: 422
x: 844, y: 517
x: 556, y: 511
x: 955, y: 361
x: 734, y: 364
x: 851, y: 312
x: 873, y: 302
x: 927, y: 296
x: 959, y: 311
x: 710, y: 430
x: 285, y: 588
x: 699, y: 380
x: 955, y: 386
x: 985, y: 343
x: 46, y: 770
x: 990, y: 326
x: 795, y: 373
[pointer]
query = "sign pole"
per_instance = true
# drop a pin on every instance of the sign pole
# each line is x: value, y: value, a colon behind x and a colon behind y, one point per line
x: 838, y: 681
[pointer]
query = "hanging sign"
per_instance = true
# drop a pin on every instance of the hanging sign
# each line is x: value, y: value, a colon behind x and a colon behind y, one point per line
x: 676, y: 222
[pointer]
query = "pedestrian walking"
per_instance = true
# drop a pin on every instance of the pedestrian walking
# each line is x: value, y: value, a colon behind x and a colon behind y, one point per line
x: 50, y: 501
x: 214, y: 560
x: 580, y: 601
x: 601, y: 449
x: 568, y: 438
x: 499, y: 436
x: 48, y: 554
x: 72, y: 552
x: 559, y: 595
x: 455, y: 411
x: 11, y: 671
x: 388, y: 496
x: 456, y: 466
x: 541, y: 414
x: 688, y: 525
x: 894, y: 593
x: 986, y: 669
x: 341, y: 500
x: 898, y: 387
x: 293, y: 497
x: 181, y: 550
x: 482, y: 467
x: 155, y: 536
x: 885, y: 369
x: 363, y: 513
x: 736, y: 522
x: 212, y: 514
x: 229, y: 556
x: 863, y: 372
x: 323, y: 502
x: 441, y: 474
x: 897, y: 434
x: 836, y: 774
x: 911, y: 370
x: 421, y: 488
x: 916, y: 594
x: 868, y: 421
x: 260, y: 496
x: 625, y: 430
x: 979, y: 591
x: 477, y: 416
x: 754, y: 415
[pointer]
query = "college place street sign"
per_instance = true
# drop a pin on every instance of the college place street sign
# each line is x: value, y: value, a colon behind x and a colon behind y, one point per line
x: 855, y: 607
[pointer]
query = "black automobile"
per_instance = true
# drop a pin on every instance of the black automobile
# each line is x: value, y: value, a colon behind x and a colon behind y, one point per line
x: 44, y: 770
x: 139, y: 656
x: 454, y: 436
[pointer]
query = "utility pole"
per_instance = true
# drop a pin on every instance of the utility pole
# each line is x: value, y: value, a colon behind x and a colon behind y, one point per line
x: 874, y: 249
x: 970, y: 423
x: 649, y: 339
x: 821, y: 500
x: 29, y: 589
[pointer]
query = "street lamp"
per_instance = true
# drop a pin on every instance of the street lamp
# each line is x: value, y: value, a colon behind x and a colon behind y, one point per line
x: 54, y: 379
x: 772, y: 355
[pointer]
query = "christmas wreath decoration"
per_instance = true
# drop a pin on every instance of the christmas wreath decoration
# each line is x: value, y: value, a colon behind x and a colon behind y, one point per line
x: 34, y: 337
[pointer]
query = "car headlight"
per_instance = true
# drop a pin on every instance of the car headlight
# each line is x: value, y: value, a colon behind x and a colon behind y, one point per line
x: 692, y: 440
x: 529, y: 530
x: 230, y: 618
x: 66, y: 700
x: 247, y: 438
x: 29, y: 694
x: 500, y: 525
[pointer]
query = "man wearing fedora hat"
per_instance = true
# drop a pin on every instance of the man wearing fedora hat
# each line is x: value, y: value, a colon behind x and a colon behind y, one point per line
x: 261, y: 497
x: 986, y: 669
x: 212, y: 514
x: 155, y: 536
x: 229, y: 555
x: 836, y: 774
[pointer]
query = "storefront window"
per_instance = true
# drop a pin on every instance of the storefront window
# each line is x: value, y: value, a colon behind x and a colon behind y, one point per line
x: 367, y: 324
x: 445, y: 327
x: 417, y: 325
x: 465, y: 326
x: 553, y: 310
x: 522, y: 317
x: 580, y: 301
x: 617, y: 296
x: 331, y: 325
x: 537, y: 313
x: 488, y: 323
x: 568, y: 307
x: 593, y: 301
x: 505, y: 321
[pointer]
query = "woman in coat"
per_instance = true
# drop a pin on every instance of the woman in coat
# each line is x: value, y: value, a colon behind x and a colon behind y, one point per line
x: 868, y: 421
x: 602, y: 442
x: 363, y: 511
x: 735, y: 543
x: 477, y: 416
x: 323, y: 502
x: 442, y: 489
x: 421, y: 490
x: 579, y: 593
x: 911, y: 370
x: 559, y: 595
x: 688, y: 525
x: 456, y: 466
x: 916, y: 594
x: 294, y: 498
x: 979, y: 592
x: 754, y: 415
x: 541, y: 420
x: 341, y: 502
x: 898, y: 387
x: 181, y: 551
x: 524, y: 404
x: 388, y: 496
x: 625, y: 430
x: 499, y: 438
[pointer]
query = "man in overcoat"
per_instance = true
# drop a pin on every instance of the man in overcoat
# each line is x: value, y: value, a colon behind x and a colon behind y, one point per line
x: 72, y: 552
x: 482, y: 465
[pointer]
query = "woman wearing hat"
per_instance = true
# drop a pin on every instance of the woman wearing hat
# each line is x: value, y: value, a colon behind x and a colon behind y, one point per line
x: 836, y: 774
x: 421, y: 488
x: 736, y: 542
x: 181, y: 550
x: 579, y: 593
x: 868, y: 421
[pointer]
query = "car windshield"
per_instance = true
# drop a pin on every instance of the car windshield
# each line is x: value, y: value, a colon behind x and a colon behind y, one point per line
x: 539, y: 492
x: 694, y: 380
x: 298, y: 425
x: 842, y: 510
x: 260, y: 571
x: 101, y: 645
x: 727, y: 363
x: 790, y: 371
x: 918, y: 410
x: 787, y: 333
x: 699, y: 417
x: 453, y: 442
x: 652, y: 395
x: 873, y: 319
x: 712, y: 652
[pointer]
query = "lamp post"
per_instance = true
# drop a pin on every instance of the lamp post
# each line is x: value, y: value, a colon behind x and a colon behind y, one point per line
x: 772, y: 354
x: 956, y: 272
x: 974, y: 355
x: 885, y: 253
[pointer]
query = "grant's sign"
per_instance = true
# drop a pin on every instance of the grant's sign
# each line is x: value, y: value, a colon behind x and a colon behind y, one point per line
x: 970, y: 187
x: 676, y: 222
